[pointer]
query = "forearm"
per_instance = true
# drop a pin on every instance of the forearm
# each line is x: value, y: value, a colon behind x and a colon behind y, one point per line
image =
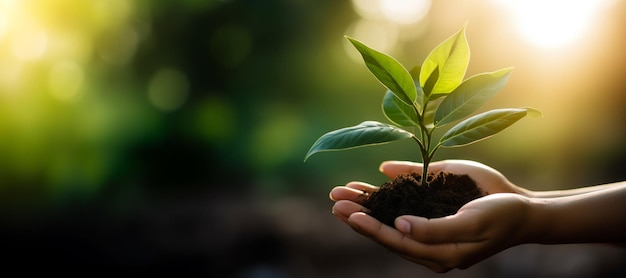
x: 568, y: 192
x: 593, y: 217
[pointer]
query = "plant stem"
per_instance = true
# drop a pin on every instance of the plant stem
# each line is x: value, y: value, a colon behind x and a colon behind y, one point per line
x: 425, y: 158
x: 426, y: 138
x: 424, y: 144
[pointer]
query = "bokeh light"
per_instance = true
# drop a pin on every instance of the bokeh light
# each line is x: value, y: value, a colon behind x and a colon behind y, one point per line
x: 66, y: 80
x: 395, y: 11
x: 168, y: 89
x: 384, y: 24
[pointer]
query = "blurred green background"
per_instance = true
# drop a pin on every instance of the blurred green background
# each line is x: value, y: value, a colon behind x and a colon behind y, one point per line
x: 169, y: 136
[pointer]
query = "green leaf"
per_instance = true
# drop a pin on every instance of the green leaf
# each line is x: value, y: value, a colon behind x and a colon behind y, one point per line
x: 399, y: 112
x: 388, y: 71
x: 471, y: 95
x: 431, y: 108
x: 429, y: 85
x: 364, y: 134
x: 420, y: 97
x: 451, y: 57
x: 482, y: 126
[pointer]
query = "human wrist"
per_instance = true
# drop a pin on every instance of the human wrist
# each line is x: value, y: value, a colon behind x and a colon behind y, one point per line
x: 538, y: 220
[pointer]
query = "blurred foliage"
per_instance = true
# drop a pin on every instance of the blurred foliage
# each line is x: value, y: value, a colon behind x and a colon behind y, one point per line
x: 168, y: 136
x: 109, y: 96
x: 158, y: 94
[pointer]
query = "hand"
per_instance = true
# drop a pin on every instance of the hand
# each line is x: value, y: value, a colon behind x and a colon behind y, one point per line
x: 445, y: 243
x: 478, y: 230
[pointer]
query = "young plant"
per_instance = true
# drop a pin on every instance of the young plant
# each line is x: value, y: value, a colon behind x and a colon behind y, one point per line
x: 428, y: 98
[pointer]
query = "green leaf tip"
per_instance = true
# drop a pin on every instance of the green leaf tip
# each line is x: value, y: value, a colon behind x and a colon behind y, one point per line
x: 533, y: 113
x: 389, y: 72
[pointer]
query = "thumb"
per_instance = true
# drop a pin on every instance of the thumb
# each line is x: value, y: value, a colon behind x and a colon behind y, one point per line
x: 436, y: 230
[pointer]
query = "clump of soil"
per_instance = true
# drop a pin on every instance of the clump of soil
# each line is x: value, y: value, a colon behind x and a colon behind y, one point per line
x: 444, y: 195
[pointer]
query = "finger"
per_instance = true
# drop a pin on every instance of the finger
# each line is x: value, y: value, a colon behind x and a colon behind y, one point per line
x: 371, y: 227
x: 395, y: 241
x: 353, y: 191
x: 450, y: 229
x: 365, y: 187
x: 393, y: 168
x: 443, y: 254
x: 379, y: 232
x: 438, y: 257
x: 346, y: 193
x: 344, y: 208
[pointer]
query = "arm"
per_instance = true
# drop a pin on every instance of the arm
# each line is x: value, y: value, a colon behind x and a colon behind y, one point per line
x: 490, y: 224
x: 571, y: 192
x: 588, y: 217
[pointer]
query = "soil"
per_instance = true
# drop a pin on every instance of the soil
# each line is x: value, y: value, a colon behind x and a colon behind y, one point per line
x: 444, y: 195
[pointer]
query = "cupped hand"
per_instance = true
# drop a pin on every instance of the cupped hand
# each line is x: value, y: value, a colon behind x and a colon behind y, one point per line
x: 489, y: 180
x: 477, y: 231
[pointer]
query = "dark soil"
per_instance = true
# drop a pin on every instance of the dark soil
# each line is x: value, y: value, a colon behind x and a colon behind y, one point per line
x: 444, y: 195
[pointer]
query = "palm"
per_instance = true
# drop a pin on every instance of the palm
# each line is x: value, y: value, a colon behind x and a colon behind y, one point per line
x: 487, y: 179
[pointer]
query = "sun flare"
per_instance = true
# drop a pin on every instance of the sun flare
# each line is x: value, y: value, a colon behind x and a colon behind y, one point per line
x: 553, y: 23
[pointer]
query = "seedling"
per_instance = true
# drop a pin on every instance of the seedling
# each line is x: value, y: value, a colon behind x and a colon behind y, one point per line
x: 428, y: 98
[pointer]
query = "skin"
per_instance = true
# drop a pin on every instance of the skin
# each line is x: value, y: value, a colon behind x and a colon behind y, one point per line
x: 508, y: 216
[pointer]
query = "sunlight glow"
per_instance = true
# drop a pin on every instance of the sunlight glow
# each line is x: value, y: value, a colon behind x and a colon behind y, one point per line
x: 4, y: 21
x: 29, y: 43
x: 553, y: 23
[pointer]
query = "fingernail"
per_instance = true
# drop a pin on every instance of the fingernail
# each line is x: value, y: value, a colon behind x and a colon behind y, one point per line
x: 381, y: 165
x: 403, y: 226
x: 330, y: 196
